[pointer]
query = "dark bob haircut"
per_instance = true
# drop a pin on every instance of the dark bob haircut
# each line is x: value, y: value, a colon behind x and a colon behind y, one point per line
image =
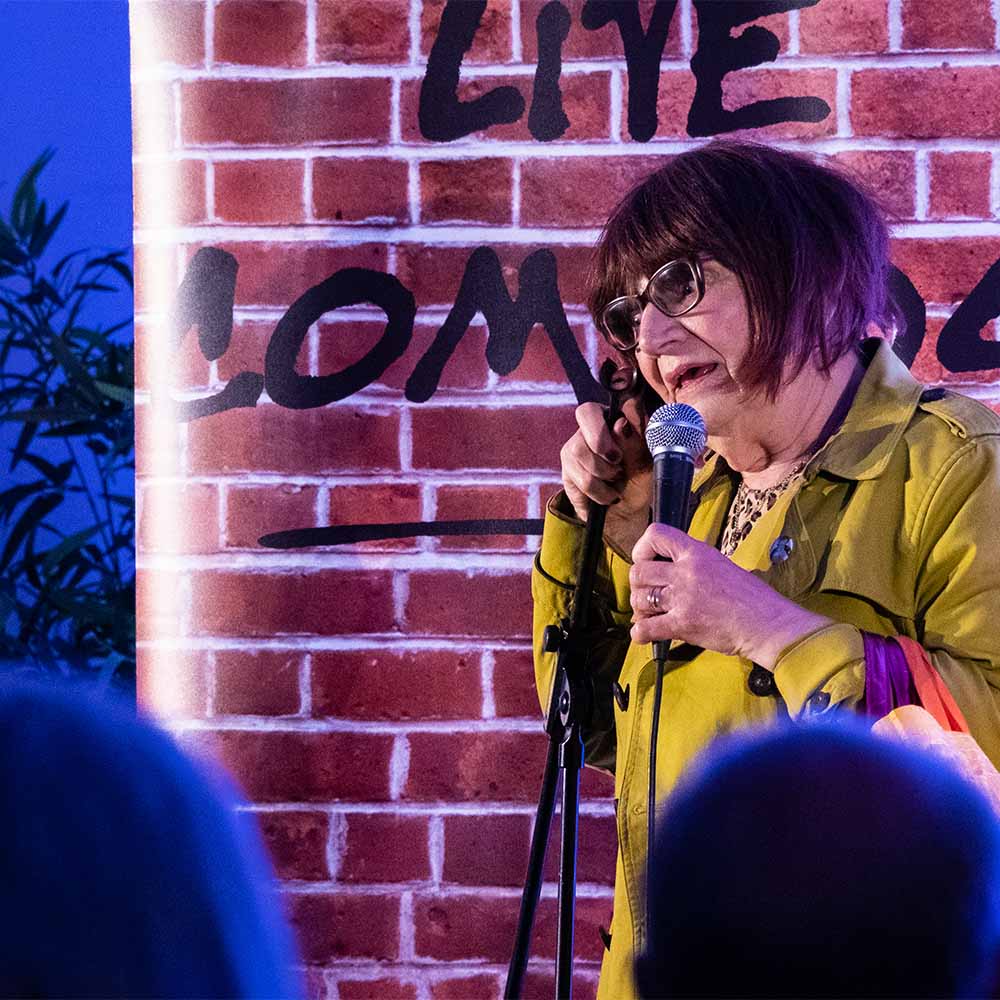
x: 809, y: 245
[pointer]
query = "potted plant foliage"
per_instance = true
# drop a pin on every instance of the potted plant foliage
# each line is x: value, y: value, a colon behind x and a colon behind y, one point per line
x: 67, y: 514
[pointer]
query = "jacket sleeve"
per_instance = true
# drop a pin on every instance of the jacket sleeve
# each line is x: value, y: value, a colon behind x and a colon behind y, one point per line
x: 958, y: 584
x: 823, y: 670
x: 607, y: 639
x: 955, y: 547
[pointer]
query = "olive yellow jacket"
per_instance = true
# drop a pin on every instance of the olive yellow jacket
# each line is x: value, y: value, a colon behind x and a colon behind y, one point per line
x: 893, y: 530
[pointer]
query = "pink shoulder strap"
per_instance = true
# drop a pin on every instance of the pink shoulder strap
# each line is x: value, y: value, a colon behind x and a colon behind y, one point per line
x: 931, y: 688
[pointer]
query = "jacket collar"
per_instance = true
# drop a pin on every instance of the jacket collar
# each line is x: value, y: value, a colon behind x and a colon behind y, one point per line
x: 882, y: 408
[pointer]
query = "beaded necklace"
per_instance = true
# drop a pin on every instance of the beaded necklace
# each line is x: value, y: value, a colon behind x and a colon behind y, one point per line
x: 750, y: 504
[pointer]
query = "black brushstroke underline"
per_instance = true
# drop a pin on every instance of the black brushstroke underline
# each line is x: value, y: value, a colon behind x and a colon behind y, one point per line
x: 346, y: 534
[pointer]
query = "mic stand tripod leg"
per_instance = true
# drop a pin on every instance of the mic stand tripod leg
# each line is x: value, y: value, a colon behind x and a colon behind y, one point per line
x: 533, y: 880
x: 570, y: 710
x: 570, y: 762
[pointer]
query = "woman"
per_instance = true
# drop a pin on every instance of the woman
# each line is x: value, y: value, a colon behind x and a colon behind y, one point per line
x: 838, y: 502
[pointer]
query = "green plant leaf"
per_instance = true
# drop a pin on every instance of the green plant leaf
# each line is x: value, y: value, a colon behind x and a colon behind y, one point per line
x: 24, y: 205
x: 73, y: 367
x: 56, y: 555
x: 29, y: 521
x: 93, y: 337
x: 64, y: 378
x: 77, y: 428
x: 11, y: 497
x: 56, y: 474
x: 10, y: 251
x: 120, y: 394
x: 44, y: 231
x: 114, y: 261
x: 65, y: 261
x: 23, y: 443
x: 84, y: 609
x: 40, y: 414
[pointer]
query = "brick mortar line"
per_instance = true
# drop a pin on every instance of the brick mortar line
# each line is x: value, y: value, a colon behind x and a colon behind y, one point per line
x: 843, y: 110
x: 504, y: 395
x: 311, y: 56
x: 466, y: 237
x: 506, y: 389
x: 595, y: 807
x: 271, y: 562
x: 414, y: 30
x: 399, y: 762
x: 378, y: 969
x: 486, y: 667
x: 324, y: 725
x: 922, y: 185
x: 435, y: 848
x: 854, y: 61
x: 209, y: 28
x: 447, y: 234
x: 434, y: 478
x: 616, y: 106
x: 585, y: 890
x: 794, y: 35
x: 500, y: 398
x: 686, y: 16
x: 521, y: 395
x: 361, y: 642
x: 516, y: 39
x: 468, y: 149
x: 305, y: 686
x: 428, y: 315
x: 318, y: 644
x: 407, y: 929
x: 894, y: 18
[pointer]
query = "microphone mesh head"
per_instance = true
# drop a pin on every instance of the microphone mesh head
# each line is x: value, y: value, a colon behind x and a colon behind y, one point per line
x: 676, y: 427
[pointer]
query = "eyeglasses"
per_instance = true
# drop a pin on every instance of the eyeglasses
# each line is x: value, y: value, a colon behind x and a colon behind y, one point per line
x: 675, y: 288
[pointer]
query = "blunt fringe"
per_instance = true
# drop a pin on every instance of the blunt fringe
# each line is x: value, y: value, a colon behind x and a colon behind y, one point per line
x: 809, y: 244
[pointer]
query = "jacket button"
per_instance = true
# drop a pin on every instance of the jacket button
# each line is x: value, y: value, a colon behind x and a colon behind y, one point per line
x: 818, y: 702
x: 781, y: 548
x: 933, y: 395
x: 761, y: 681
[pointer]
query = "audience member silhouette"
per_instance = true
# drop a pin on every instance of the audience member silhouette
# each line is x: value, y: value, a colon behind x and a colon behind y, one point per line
x: 125, y: 870
x: 823, y: 862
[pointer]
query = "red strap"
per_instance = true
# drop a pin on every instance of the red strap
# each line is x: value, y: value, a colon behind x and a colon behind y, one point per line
x: 931, y: 688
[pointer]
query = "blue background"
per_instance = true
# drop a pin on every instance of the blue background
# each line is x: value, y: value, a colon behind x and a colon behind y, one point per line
x: 66, y: 85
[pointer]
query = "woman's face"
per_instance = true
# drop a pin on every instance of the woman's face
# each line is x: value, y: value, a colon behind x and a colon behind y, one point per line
x: 694, y: 358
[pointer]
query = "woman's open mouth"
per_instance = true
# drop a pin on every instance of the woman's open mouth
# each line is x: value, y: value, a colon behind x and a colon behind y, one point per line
x: 694, y: 375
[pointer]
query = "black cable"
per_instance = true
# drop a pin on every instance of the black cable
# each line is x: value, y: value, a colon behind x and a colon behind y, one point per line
x: 651, y: 791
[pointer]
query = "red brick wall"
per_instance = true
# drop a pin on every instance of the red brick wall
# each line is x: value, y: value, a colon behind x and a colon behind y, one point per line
x: 375, y: 700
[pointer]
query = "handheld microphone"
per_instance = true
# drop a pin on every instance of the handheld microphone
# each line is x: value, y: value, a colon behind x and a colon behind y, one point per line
x: 675, y: 436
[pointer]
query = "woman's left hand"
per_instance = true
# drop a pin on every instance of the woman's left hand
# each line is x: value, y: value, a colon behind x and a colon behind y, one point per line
x: 703, y: 598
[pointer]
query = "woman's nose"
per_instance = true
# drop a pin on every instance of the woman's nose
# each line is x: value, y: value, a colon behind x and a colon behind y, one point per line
x: 656, y: 331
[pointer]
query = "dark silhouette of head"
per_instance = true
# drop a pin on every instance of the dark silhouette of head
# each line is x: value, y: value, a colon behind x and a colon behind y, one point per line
x: 125, y: 869
x: 823, y: 862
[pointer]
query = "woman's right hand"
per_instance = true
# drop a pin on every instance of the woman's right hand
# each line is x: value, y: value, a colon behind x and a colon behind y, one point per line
x: 611, y: 466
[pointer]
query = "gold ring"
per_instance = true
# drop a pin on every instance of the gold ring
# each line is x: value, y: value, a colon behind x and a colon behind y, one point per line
x: 653, y: 599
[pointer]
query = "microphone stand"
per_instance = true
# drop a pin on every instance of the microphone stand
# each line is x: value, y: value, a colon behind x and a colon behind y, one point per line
x: 570, y: 711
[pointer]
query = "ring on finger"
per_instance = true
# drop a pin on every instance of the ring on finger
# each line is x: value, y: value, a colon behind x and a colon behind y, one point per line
x: 653, y: 599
